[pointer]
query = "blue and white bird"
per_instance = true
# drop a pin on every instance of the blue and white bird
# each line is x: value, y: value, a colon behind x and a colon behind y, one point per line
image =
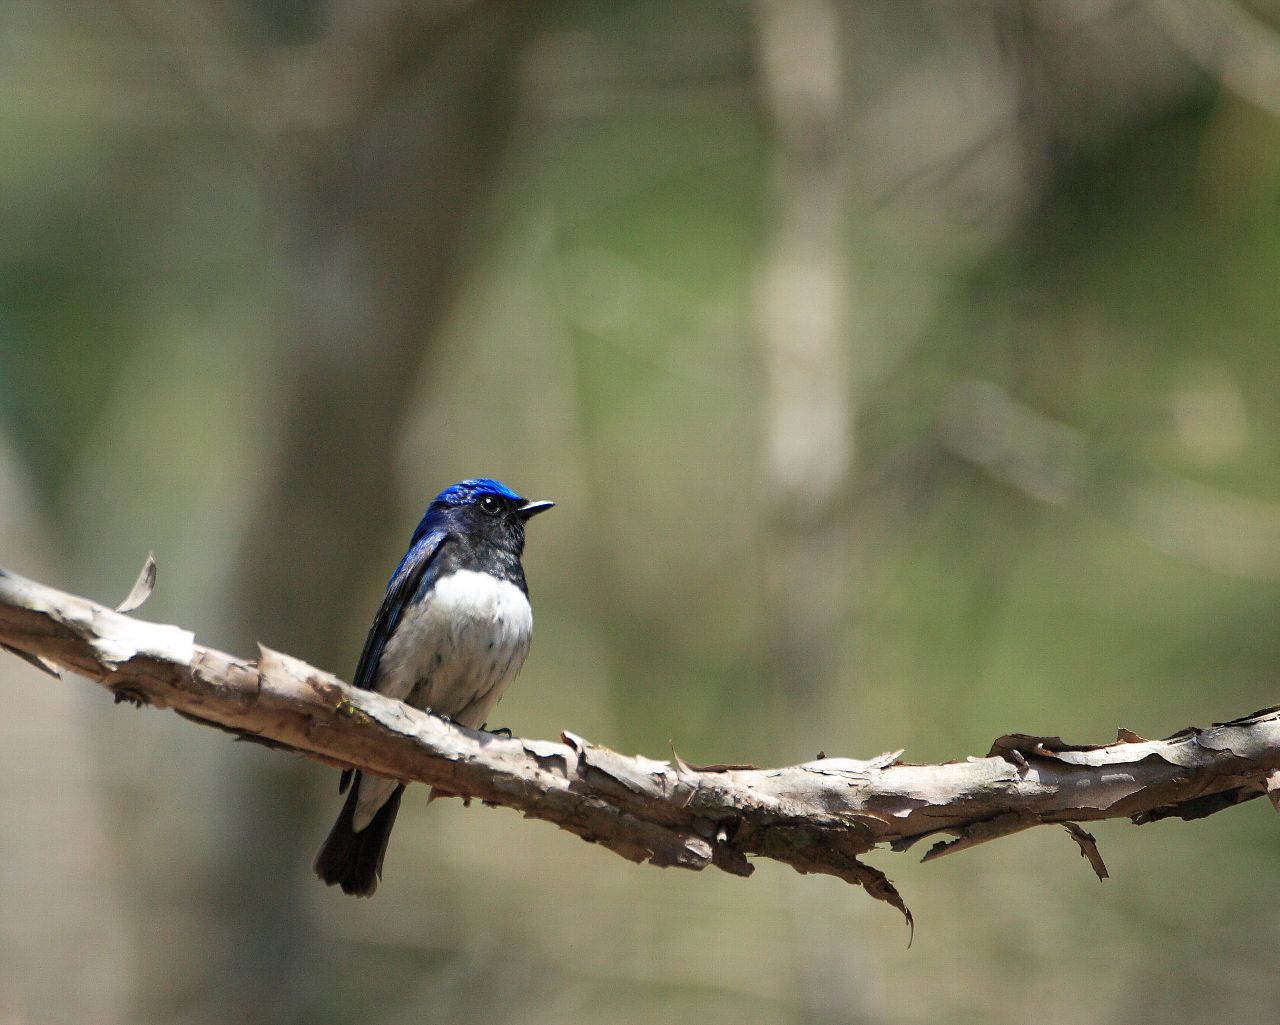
x: 451, y: 634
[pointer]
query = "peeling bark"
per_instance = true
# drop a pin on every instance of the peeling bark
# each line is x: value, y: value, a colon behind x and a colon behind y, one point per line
x: 821, y: 816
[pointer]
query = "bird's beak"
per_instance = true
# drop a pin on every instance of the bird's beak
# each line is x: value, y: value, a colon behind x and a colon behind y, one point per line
x: 530, y: 509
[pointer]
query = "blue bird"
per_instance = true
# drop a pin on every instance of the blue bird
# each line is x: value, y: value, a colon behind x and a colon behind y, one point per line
x: 451, y: 633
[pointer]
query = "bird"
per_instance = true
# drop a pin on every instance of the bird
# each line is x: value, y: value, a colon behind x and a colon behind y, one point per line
x: 450, y: 635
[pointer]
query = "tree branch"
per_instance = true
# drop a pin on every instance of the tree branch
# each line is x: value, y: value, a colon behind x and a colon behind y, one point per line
x: 817, y: 817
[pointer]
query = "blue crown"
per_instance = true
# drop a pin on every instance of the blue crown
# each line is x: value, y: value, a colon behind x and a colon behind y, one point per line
x: 467, y: 491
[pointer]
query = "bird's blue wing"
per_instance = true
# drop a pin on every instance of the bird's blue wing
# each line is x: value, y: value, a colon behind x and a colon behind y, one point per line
x: 401, y: 588
x: 400, y: 591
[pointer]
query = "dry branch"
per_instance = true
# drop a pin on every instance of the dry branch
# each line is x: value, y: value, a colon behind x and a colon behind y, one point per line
x: 817, y: 817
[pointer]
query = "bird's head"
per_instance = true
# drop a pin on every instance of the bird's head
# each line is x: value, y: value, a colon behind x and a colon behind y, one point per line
x: 484, y: 510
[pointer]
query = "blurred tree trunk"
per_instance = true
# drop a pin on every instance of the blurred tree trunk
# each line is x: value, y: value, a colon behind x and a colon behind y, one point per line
x: 809, y: 428
x: 61, y: 889
x: 412, y: 107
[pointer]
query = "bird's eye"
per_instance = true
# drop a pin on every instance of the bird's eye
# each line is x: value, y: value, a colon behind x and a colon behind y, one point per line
x: 490, y: 505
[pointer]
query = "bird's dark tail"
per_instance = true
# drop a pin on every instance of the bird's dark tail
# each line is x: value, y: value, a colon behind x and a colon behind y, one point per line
x: 354, y: 860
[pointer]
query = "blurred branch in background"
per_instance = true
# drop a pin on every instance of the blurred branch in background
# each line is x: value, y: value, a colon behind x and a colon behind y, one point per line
x: 1230, y: 44
x: 1055, y: 463
x: 818, y: 817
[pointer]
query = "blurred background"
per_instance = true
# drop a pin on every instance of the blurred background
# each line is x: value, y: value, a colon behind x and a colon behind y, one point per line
x: 906, y: 374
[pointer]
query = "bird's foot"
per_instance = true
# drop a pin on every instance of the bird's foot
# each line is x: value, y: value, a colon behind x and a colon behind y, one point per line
x: 123, y: 692
x: 501, y: 731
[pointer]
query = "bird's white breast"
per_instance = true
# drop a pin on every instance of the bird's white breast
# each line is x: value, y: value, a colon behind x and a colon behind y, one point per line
x: 455, y: 651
